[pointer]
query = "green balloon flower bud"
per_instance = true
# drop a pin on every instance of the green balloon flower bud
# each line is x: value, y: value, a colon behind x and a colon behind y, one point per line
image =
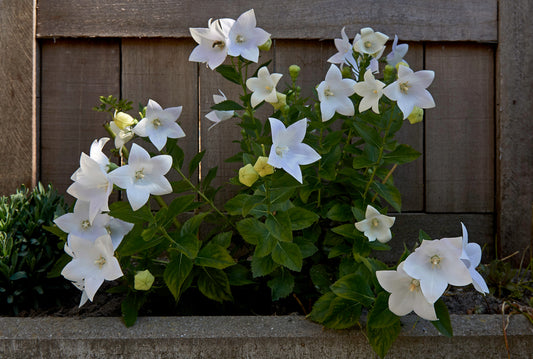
x: 417, y: 115
x: 389, y: 74
x: 123, y: 120
x: 281, y: 102
x: 248, y: 175
x: 401, y: 63
x: 262, y: 167
x: 294, y: 71
x: 266, y: 46
x: 144, y: 280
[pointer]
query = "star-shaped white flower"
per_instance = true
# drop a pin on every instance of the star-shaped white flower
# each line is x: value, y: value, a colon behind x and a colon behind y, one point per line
x: 471, y: 257
x: 376, y: 225
x: 406, y: 295
x: 159, y: 124
x: 117, y: 229
x: 409, y: 90
x: 263, y: 86
x: 212, y: 42
x: 436, y: 264
x: 371, y: 91
x: 345, y: 51
x: 333, y: 94
x: 92, y: 263
x: 244, y: 38
x: 91, y: 183
x: 370, y: 42
x: 398, y: 52
x: 219, y: 116
x: 142, y: 176
x: 288, y: 151
x: 78, y: 224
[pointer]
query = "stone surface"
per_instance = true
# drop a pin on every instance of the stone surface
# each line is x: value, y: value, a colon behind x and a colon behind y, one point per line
x: 476, y: 336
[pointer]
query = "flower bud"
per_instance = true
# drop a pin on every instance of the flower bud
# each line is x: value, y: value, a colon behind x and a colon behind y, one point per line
x: 266, y: 46
x: 248, y: 175
x: 389, y: 74
x: 282, y: 101
x: 123, y: 120
x: 294, y: 71
x: 416, y: 115
x: 401, y: 63
x: 143, y: 280
x: 262, y: 167
x: 346, y: 72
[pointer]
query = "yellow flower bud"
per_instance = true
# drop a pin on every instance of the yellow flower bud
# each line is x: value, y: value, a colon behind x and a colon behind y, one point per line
x: 247, y: 175
x: 294, y: 71
x: 266, y: 46
x: 123, y: 120
x: 401, y: 63
x: 282, y: 101
x: 416, y: 115
x: 262, y: 167
x: 143, y: 280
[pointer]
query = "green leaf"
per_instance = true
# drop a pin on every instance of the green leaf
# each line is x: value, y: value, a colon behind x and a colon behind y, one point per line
x: 321, y: 278
x: 214, y: 284
x: 329, y: 163
x: 239, y: 275
x: 214, y: 256
x: 443, y: 324
x: 58, y: 266
x: 176, y: 272
x: 229, y: 73
x: 133, y: 242
x: 288, y: 255
x: 362, y: 162
x: 175, y: 151
x: 252, y: 230
x: 265, y: 244
x: 402, y: 154
x: 187, y: 244
x: 345, y: 230
x: 279, y: 226
x: 423, y: 236
x: 179, y: 205
x: 334, y: 312
x: 227, y: 105
x: 354, y: 287
x: 223, y: 239
x: 192, y: 225
x: 123, y: 211
x: 130, y: 307
x: 56, y: 230
x: 250, y: 203
x: 18, y: 275
x: 235, y: 205
x: 262, y: 266
x: 381, y: 339
x: 306, y: 247
x: 369, y: 134
x: 389, y: 193
x: 195, y: 162
x: 340, y: 213
x: 320, y: 310
x: 380, y: 316
x: 281, y: 285
x: 301, y: 218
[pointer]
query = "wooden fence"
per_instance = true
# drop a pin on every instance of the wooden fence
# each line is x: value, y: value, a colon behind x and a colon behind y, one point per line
x: 58, y: 56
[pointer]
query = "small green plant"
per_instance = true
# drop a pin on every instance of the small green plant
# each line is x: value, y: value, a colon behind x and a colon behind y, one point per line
x: 27, y: 251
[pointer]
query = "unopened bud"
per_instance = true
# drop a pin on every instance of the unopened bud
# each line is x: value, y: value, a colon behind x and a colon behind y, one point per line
x: 346, y: 72
x: 248, y: 175
x: 266, y: 46
x: 144, y: 280
x: 281, y: 102
x: 416, y: 116
x: 389, y: 74
x: 401, y: 63
x: 123, y: 120
x: 262, y: 167
x: 294, y: 71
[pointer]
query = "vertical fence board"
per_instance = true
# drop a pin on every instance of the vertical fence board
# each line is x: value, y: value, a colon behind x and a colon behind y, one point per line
x: 74, y: 74
x: 409, y: 178
x: 158, y: 69
x: 17, y: 159
x: 460, y: 130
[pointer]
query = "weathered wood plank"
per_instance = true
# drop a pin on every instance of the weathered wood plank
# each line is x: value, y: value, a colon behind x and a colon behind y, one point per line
x: 409, y: 178
x: 460, y: 130
x: 417, y: 20
x: 74, y: 74
x: 18, y: 163
x: 515, y: 128
x: 407, y: 226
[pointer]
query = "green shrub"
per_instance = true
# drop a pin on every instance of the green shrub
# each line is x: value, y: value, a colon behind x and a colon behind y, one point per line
x: 28, y: 252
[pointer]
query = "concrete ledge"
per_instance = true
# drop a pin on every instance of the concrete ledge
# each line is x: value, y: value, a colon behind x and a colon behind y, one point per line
x: 476, y: 336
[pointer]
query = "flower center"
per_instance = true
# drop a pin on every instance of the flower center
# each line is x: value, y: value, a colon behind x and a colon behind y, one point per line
x: 100, y: 262
x: 85, y: 225
x: 239, y: 39
x: 375, y: 92
x: 156, y: 123
x: 368, y: 44
x: 375, y: 222
x: 219, y: 44
x: 139, y: 175
x: 404, y: 88
x: 435, y: 261
x: 415, y: 284
x: 268, y: 88
x: 328, y: 92
x: 280, y: 150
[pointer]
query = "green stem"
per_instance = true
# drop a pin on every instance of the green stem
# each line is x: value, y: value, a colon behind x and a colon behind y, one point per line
x: 163, y: 204
x: 152, y: 259
x: 166, y: 235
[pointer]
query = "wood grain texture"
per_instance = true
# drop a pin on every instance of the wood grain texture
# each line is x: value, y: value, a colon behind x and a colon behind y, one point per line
x: 409, y: 178
x: 417, y: 20
x: 515, y: 128
x: 17, y: 165
x: 460, y: 129
x: 74, y: 74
